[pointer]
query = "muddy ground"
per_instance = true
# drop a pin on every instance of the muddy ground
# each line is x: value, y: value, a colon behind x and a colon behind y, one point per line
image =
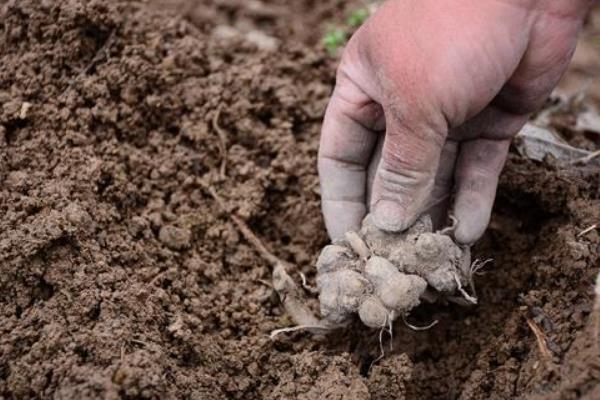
x: 122, y: 278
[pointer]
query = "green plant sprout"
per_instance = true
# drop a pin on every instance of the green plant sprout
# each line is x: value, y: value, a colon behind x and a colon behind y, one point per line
x: 334, y: 39
x: 357, y: 17
x: 337, y: 36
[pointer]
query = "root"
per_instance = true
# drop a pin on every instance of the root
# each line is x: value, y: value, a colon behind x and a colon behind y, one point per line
x: 467, y: 296
x: 587, y: 230
x: 596, y: 310
x: 306, y: 286
x: 540, y: 338
x: 297, y: 328
x: 140, y: 342
x: 381, y: 347
x: 419, y: 328
x: 449, y: 229
x: 461, y: 301
x: 475, y: 269
x: 293, y: 302
x: 265, y: 282
x: 246, y: 232
x: 391, y: 330
x: 223, y: 142
x: 386, y: 327
x: 377, y: 274
x: 284, y: 285
x: 586, y: 159
x: 100, y: 54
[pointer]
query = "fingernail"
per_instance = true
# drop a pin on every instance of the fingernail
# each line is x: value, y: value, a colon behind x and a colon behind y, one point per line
x: 389, y: 216
x: 473, y: 219
x: 467, y: 232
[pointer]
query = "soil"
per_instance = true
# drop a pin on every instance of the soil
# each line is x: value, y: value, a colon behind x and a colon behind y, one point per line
x: 300, y: 20
x: 122, y: 278
x: 585, y: 67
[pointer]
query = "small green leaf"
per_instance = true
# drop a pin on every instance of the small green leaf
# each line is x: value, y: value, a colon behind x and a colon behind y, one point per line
x: 358, y: 17
x: 334, y: 39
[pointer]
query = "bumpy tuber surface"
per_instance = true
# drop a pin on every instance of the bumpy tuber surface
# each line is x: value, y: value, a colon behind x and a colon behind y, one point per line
x: 381, y: 276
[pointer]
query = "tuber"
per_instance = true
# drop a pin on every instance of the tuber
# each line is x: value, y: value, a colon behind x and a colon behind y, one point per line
x: 381, y: 276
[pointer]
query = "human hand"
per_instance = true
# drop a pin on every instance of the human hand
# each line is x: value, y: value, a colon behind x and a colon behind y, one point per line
x: 449, y: 83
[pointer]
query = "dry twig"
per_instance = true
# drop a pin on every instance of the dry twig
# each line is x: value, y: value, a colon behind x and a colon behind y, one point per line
x: 222, y: 141
x: 596, y: 316
x: 419, y: 328
x: 247, y: 232
x: 587, y: 230
x: 100, y: 54
x: 540, y: 338
x: 586, y: 159
x: 282, y: 282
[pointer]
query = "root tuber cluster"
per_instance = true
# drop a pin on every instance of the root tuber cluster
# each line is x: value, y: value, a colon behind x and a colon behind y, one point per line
x: 381, y: 276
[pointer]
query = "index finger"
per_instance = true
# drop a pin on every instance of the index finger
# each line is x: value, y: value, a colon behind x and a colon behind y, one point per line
x: 348, y: 137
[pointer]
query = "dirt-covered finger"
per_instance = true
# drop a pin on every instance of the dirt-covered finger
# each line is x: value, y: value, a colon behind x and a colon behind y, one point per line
x: 406, y: 174
x: 439, y: 199
x: 347, y: 139
x: 478, y: 167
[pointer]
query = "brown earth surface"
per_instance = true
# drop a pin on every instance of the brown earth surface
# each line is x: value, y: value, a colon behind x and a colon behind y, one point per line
x: 122, y: 278
x: 584, y: 71
x: 299, y: 20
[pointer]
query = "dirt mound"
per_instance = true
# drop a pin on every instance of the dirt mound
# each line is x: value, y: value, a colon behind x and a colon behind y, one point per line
x: 297, y: 20
x: 121, y: 277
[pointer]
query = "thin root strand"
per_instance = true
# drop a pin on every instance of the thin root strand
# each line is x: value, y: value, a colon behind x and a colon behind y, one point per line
x: 449, y: 229
x: 596, y: 310
x: 587, y: 230
x: 475, y: 269
x: 277, y: 332
x: 247, y: 232
x: 306, y: 286
x: 222, y: 142
x: 381, y: 349
x: 586, y: 159
x: 283, y: 284
x: 467, y: 296
x: 540, y: 338
x: 419, y: 328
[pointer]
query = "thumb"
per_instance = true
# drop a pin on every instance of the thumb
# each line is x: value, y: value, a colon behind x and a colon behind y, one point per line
x: 406, y: 173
